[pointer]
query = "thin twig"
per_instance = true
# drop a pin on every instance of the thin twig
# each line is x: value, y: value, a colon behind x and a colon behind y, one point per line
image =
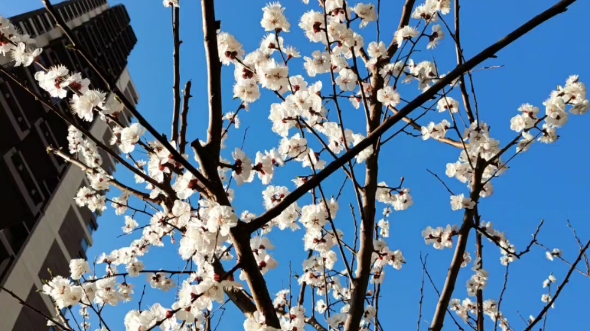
x: 25, y: 304
x: 184, y: 117
x: 559, y: 289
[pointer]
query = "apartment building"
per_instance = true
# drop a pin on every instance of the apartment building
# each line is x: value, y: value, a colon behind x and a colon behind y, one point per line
x: 41, y: 228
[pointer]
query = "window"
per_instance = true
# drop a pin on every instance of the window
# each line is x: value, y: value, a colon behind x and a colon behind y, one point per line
x: 16, y: 236
x: 28, y: 181
x: 38, y: 24
x: 56, y: 261
x: 84, y: 245
x: 13, y: 106
x: 29, y: 319
x: 46, y: 21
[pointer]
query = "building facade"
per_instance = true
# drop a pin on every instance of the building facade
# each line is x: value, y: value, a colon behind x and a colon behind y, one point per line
x: 41, y: 227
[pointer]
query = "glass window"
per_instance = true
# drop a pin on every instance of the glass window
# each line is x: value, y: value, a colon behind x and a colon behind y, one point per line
x: 84, y: 245
x: 28, y: 181
x: 90, y: 227
x: 13, y: 106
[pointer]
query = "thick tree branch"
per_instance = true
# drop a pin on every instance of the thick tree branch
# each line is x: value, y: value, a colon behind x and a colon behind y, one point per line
x: 184, y: 117
x: 479, y: 292
x: 466, y: 226
x: 460, y: 59
x: 237, y: 295
x: 210, y: 26
x: 369, y: 194
x: 405, y: 19
x: 490, y: 51
x: 313, y: 322
x: 176, y: 88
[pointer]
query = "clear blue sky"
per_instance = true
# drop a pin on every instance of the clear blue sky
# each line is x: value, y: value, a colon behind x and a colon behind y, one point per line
x: 549, y: 182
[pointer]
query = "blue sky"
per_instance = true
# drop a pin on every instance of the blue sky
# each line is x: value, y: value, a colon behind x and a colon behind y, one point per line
x: 549, y: 182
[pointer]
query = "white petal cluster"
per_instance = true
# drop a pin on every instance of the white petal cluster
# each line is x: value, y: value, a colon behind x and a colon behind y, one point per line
x: 20, y: 47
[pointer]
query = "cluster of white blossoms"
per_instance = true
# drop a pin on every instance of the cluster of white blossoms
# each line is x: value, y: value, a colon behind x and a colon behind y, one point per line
x: 566, y: 100
x: 399, y: 198
x: 507, y: 250
x: 464, y: 308
x: 18, y: 46
x: 439, y: 237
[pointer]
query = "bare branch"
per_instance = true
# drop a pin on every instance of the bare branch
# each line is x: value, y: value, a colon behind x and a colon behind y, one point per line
x: 184, y: 117
x: 210, y: 27
x: 559, y: 289
x: 176, y: 89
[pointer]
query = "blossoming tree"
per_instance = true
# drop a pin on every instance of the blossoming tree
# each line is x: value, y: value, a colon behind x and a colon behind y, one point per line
x: 187, y: 194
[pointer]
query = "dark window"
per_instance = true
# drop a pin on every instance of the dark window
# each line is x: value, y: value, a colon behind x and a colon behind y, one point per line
x: 72, y: 232
x: 53, y: 57
x: 29, y: 319
x: 38, y: 25
x: 55, y: 261
x: 13, y: 106
x: 13, y: 204
x: 51, y: 139
x: 84, y: 245
x: 59, y: 128
x: 5, y: 260
x: 16, y: 236
x: 8, y: 135
x: 46, y: 21
x: 85, y: 6
x: 71, y: 13
x: 25, y: 176
x: 35, y: 154
x: 107, y: 165
x: 32, y: 109
x: 133, y: 92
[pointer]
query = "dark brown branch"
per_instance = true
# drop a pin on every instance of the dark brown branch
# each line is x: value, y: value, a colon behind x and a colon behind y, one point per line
x: 237, y: 295
x: 184, y: 117
x: 111, y: 86
x: 313, y: 182
x: 25, y: 304
x: 467, y: 225
x: 210, y: 26
x: 420, y: 304
x: 559, y: 289
x: 479, y: 292
x: 176, y: 88
x: 460, y: 59
x: 504, y: 287
x: 406, y: 15
x: 315, y: 324
x: 425, y: 269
